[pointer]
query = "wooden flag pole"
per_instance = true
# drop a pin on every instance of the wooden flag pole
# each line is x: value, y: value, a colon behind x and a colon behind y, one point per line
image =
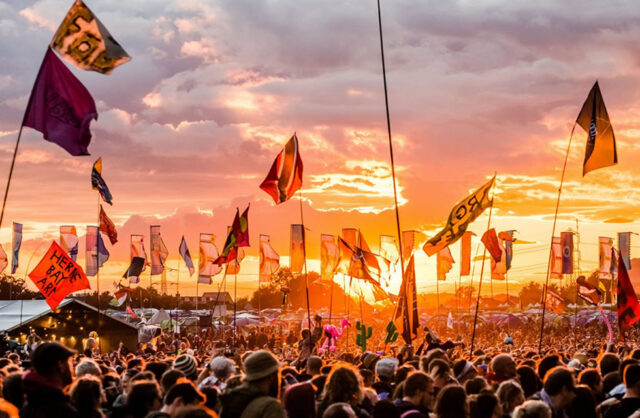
x: 553, y: 231
x: 484, y: 255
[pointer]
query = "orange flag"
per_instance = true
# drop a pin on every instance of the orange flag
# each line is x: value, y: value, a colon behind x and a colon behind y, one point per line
x: 57, y: 275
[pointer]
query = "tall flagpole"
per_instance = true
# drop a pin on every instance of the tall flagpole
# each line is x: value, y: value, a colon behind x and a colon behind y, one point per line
x: 306, y: 278
x: 553, y: 231
x: 98, y: 271
x: 13, y: 162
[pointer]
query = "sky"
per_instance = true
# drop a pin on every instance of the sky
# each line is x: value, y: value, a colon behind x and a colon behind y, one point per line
x: 188, y: 129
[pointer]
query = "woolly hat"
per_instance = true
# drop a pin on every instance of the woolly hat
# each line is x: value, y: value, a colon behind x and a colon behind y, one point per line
x: 186, y: 364
x: 222, y: 367
x: 386, y: 367
x: 260, y: 364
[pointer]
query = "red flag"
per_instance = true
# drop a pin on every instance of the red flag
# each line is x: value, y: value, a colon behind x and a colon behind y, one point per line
x: 628, y: 306
x: 490, y: 240
x: 61, y: 107
x: 108, y: 227
x: 465, y: 254
x: 57, y: 275
x: 285, y: 176
x: 130, y: 312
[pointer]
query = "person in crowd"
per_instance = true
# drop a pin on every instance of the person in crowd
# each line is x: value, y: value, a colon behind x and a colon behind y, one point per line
x: 87, y: 396
x: 532, y: 409
x: 452, y: 402
x: 510, y: 395
x: 631, y: 401
x: 299, y: 401
x: 558, y: 390
x: 418, y: 396
x: 343, y: 385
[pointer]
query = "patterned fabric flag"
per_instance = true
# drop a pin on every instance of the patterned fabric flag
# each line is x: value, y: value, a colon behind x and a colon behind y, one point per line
x: 60, y: 107
x: 490, y: 241
x: 159, y: 252
x: 285, y: 176
x: 97, y: 253
x: 98, y: 183
x: 241, y: 229
x: 186, y: 256
x: 445, y: 263
x: 601, y: 143
x: 465, y: 253
x: 137, y: 250
x: 329, y: 256
x: 628, y: 306
x: 296, y: 261
x: 507, y: 242
x: 556, y: 258
x: 57, y: 275
x: 233, y: 266
x: 85, y: 42
x: 4, y: 260
x: 460, y: 217
x: 17, y: 242
x: 269, y: 260
x: 207, y: 268
x: 409, y: 303
x: 567, y: 252
x: 136, y: 268
x: 605, y: 245
x: 69, y: 240
x: 108, y: 227
x: 624, y: 246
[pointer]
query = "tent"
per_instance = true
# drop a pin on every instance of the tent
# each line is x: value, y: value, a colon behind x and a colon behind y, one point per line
x: 158, y: 317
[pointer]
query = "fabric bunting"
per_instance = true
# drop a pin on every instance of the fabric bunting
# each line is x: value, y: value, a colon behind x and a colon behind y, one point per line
x: 186, y: 256
x: 108, y: 227
x: 159, y: 252
x: 69, y: 240
x: 98, y: 183
x: 269, y: 260
x: 16, y: 243
x: 285, y: 175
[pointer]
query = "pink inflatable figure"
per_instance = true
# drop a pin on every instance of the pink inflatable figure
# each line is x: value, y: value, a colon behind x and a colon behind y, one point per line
x: 331, y: 332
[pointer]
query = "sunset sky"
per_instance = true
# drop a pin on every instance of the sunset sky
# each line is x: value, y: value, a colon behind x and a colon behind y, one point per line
x: 189, y: 128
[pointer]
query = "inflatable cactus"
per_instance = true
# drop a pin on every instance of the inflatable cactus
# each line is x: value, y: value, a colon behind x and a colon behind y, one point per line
x: 392, y: 334
x: 363, y: 335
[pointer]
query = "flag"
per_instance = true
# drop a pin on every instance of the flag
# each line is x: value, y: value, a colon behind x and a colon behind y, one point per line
x: 460, y: 217
x: 17, y: 242
x: 285, y: 176
x: 69, y: 240
x: 624, y: 246
x: 57, y: 275
x: 241, y: 229
x: 490, y: 241
x: 567, y: 252
x: 507, y: 243
x: 233, y: 266
x: 137, y: 250
x: 601, y: 143
x: 408, y: 244
x: 85, y: 42
x: 97, y: 253
x: 207, y: 268
x: 465, y: 253
x: 450, y: 321
x: 628, y: 306
x: 590, y: 292
x: 329, y: 256
x: 60, y: 107
x: 556, y: 258
x: 555, y: 302
x: 372, y: 260
x: 350, y: 236
x: 120, y: 296
x: 445, y: 263
x: 269, y: 260
x: 297, y: 256
x: 159, y: 252
x: 605, y: 245
x: 4, y: 260
x: 136, y: 267
x: 186, y: 256
x: 361, y: 261
x: 130, y: 312
x: 389, y: 248
x: 499, y: 268
x: 98, y: 183
x: 408, y: 290
x: 108, y: 227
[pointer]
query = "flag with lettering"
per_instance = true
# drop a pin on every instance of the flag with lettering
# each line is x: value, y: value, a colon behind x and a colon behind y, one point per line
x: 98, y: 183
x: 285, y: 176
x: 465, y: 253
x: 57, y: 275
x: 601, y: 143
x: 69, y: 240
x: 186, y: 256
x: 159, y: 252
x: 85, y: 42
x: 567, y: 252
x: 296, y: 255
x: 269, y: 260
x: 628, y: 306
x: 624, y: 246
x: 16, y: 243
x: 444, y: 263
x: 460, y: 217
x: 329, y: 256
x: 96, y: 252
x: 207, y: 267
x: 60, y: 107
x: 108, y: 227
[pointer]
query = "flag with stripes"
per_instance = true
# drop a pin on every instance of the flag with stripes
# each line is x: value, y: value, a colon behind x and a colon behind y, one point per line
x: 98, y: 183
x: 285, y: 176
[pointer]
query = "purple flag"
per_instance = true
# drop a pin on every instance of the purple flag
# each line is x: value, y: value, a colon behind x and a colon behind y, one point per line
x: 61, y: 107
x: 567, y: 252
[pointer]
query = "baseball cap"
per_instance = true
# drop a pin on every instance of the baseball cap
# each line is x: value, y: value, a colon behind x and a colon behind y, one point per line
x: 46, y: 356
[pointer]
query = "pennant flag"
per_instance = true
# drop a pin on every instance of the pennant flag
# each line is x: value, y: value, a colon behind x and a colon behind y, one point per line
x: 450, y: 321
x: 137, y: 250
x: 69, y: 240
x: 408, y: 244
x: 98, y: 183
x: 186, y: 256
x: 590, y: 292
x: 556, y: 258
x: 57, y: 275
x: 108, y: 227
x: 285, y: 176
x: 329, y: 256
x: 567, y: 252
x: 465, y: 253
x: 490, y: 241
x: 4, y: 260
x: 445, y: 263
x: 241, y: 229
x: 605, y: 245
x: 628, y: 306
x: 269, y: 260
x: 135, y: 269
x: 408, y: 290
x: 507, y: 243
x: 555, y: 302
x: 60, y: 107
x: 159, y: 252
x: 17, y: 242
x: 624, y: 246
x: 460, y: 217
x: 207, y: 267
x: 85, y: 42
x: 601, y: 144
x: 296, y: 258
x: 97, y: 253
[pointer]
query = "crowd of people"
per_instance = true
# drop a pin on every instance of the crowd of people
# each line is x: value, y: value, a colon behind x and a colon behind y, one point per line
x: 578, y: 373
